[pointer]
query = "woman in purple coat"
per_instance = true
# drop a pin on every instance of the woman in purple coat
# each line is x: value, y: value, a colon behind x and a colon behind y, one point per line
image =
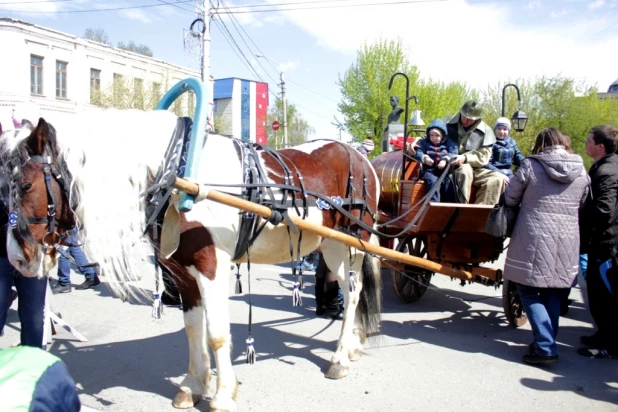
x: 542, y: 259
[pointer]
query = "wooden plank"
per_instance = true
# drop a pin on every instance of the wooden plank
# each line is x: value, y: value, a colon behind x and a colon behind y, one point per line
x: 471, y: 218
x: 201, y: 193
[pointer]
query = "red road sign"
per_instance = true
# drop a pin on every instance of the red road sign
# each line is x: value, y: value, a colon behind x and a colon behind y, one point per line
x: 275, y: 125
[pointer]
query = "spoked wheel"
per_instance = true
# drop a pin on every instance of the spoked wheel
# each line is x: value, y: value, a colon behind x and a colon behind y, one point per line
x: 513, y: 309
x: 412, y: 284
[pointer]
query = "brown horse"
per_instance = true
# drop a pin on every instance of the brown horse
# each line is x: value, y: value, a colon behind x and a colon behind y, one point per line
x: 113, y: 158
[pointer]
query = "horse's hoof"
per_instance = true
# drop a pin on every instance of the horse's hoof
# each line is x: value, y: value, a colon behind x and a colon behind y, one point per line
x: 184, y: 400
x: 337, y: 371
x: 355, y: 355
x: 218, y: 405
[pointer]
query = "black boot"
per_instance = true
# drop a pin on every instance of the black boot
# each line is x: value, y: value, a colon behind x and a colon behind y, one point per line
x: 334, y: 309
x: 320, y: 306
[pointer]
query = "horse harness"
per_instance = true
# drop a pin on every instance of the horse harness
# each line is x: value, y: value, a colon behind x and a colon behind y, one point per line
x: 50, y: 171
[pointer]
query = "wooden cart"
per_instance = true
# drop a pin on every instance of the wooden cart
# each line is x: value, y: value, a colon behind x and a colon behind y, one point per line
x: 451, y: 234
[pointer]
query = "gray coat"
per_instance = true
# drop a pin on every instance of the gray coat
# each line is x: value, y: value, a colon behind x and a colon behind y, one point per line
x: 544, y: 248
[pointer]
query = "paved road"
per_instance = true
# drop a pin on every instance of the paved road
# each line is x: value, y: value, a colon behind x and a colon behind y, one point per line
x: 451, y: 351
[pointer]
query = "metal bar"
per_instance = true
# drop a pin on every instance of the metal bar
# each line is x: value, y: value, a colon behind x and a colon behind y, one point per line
x: 198, y: 132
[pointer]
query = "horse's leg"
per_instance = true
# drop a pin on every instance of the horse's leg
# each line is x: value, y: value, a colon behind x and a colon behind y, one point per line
x: 349, y: 346
x: 195, y: 384
x: 214, y: 287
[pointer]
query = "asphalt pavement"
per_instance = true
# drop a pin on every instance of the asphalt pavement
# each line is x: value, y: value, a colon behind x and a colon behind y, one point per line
x: 450, y: 351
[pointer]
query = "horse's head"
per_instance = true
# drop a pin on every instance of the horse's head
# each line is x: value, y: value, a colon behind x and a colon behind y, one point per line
x: 39, y: 196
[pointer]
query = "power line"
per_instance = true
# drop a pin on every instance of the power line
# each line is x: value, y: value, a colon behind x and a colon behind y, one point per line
x: 286, y: 4
x: 96, y: 10
x: 391, y: 3
x: 176, y: 6
x: 239, y: 49
x: 37, y: 1
x: 236, y: 25
x: 312, y: 91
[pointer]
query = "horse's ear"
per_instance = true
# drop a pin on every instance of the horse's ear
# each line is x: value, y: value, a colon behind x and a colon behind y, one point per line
x: 38, y: 138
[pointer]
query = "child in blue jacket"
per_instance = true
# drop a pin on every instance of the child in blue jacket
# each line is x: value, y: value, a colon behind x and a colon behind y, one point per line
x: 504, y: 153
x: 434, y: 152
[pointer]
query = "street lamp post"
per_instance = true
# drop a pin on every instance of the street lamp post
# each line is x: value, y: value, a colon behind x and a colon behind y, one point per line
x: 283, y: 101
x: 519, y: 118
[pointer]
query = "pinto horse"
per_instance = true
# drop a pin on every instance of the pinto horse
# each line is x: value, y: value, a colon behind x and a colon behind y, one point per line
x: 113, y: 157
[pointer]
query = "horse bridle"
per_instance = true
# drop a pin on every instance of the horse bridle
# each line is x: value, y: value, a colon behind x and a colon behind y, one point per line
x: 50, y: 171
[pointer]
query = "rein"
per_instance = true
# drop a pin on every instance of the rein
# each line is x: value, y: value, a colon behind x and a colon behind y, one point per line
x: 52, y: 239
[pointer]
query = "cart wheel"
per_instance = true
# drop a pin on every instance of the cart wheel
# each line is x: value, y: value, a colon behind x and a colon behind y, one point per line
x: 513, y: 309
x: 412, y: 284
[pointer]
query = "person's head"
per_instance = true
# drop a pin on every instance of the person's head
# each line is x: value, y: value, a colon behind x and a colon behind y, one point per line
x: 436, y: 131
x: 368, y: 145
x: 394, y: 101
x: 502, y: 128
x: 470, y: 112
x: 550, y: 137
x: 602, y: 140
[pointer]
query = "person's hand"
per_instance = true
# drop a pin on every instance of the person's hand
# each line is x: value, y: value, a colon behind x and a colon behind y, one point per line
x: 442, y: 164
x: 428, y: 160
x: 458, y: 160
x: 410, y: 149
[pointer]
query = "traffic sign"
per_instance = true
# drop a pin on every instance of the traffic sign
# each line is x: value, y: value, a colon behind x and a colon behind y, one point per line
x: 275, y: 125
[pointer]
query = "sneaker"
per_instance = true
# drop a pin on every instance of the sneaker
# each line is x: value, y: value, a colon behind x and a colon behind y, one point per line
x: 597, y: 353
x: 60, y: 288
x: 89, y: 283
x: 534, y: 359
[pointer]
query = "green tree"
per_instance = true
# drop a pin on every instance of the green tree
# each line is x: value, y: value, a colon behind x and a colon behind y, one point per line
x: 364, y: 87
x: 299, y: 130
x: 99, y: 35
x: 572, y: 107
x: 366, y: 98
x: 135, y: 48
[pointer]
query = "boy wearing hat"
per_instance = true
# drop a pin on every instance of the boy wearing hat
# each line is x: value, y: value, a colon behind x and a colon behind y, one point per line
x: 366, y: 147
x: 434, y: 152
x: 504, y: 153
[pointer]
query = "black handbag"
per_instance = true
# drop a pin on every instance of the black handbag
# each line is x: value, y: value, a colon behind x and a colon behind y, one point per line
x: 501, y: 219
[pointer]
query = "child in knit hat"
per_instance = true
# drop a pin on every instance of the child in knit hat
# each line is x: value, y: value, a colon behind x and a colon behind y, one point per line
x: 434, y: 152
x: 504, y: 153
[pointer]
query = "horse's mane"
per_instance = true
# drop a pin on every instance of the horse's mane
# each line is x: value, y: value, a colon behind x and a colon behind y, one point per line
x: 111, y: 155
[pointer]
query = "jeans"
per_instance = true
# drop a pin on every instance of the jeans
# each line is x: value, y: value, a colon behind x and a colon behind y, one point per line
x: 542, y: 305
x: 64, y: 265
x: 603, y: 306
x: 31, y: 302
x: 445, y: 192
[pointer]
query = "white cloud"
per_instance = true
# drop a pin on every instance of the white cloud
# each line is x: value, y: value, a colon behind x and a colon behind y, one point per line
x: 556, y: 14
x: 596, y: 4
x: 42, y: 7
x: 136, y: 14
x: 534, y: 4
x: 289, y: 65
x: 467, y: 38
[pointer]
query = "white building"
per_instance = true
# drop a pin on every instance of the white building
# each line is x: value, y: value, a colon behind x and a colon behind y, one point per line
x: 58, y: 70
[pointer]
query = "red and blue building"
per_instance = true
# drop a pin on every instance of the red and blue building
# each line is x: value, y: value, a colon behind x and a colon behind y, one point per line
x: 241, y: 108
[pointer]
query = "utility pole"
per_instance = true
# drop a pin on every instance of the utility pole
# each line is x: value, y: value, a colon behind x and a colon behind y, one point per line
x: 205, y: 59
x: 285, y: 112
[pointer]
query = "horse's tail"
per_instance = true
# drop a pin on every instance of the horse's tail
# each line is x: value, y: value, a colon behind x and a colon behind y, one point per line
x: 370, y: 305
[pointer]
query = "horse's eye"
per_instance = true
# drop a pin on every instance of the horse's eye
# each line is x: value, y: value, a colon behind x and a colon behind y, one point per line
x: 26, y: 187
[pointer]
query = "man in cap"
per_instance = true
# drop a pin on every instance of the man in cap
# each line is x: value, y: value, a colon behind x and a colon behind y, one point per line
x: 474, y: 139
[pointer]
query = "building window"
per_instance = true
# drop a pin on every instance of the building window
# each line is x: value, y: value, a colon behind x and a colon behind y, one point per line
x: 95, y: 79
x: 61, y: 79
x: 36, y: 74
x: 118, y: 86
x: 138, y: 85
x: 95, y: 86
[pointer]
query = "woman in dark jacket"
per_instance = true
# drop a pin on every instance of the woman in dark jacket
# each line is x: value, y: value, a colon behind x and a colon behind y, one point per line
x: 542, y: 259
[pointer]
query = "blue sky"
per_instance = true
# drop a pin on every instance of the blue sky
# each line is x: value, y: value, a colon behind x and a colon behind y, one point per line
x: 477, y: 41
